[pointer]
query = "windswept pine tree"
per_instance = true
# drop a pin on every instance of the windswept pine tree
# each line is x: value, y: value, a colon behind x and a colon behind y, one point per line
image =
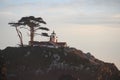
x: 33, y: 24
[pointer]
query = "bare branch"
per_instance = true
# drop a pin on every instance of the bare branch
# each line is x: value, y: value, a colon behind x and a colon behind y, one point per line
x: 44, y: 28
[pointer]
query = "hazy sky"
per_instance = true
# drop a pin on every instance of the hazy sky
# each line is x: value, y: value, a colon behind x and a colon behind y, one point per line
x: 89, y: 25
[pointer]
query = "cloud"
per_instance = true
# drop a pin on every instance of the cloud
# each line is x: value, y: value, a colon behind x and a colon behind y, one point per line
x: 68, y: 11
x: 93, y: 19
x: 97, y: 2
x: 117, y: 16
x: 107, y: 2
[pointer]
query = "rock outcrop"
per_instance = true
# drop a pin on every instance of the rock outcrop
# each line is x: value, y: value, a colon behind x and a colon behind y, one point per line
x: 42, y: 63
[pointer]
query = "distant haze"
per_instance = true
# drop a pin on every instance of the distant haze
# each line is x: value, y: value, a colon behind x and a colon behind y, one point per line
x: 89, y: 25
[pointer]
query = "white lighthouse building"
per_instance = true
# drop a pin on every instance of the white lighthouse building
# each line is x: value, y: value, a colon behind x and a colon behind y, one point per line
x: 53, y: 37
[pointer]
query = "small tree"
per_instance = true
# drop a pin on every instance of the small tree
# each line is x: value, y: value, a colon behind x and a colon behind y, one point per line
x: 34, y: 25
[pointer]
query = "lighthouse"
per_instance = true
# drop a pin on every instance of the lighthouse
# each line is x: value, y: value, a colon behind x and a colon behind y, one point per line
x: 52, y: 43
x: 53, y: 37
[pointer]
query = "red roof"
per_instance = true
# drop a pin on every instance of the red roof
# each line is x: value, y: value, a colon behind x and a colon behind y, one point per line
x: 61, y: 43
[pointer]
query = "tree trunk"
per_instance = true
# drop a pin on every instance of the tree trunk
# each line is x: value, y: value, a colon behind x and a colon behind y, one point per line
x: 31, y: 35
x: 20, y: 36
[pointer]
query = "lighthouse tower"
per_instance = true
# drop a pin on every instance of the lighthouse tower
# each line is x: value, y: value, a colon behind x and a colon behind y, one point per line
x: 53, y: 37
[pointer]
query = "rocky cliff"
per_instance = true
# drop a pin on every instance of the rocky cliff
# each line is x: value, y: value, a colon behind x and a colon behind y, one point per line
x: 42, y: 63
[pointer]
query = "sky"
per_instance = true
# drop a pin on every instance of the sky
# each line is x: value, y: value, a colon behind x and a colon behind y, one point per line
x: 89, y: 25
